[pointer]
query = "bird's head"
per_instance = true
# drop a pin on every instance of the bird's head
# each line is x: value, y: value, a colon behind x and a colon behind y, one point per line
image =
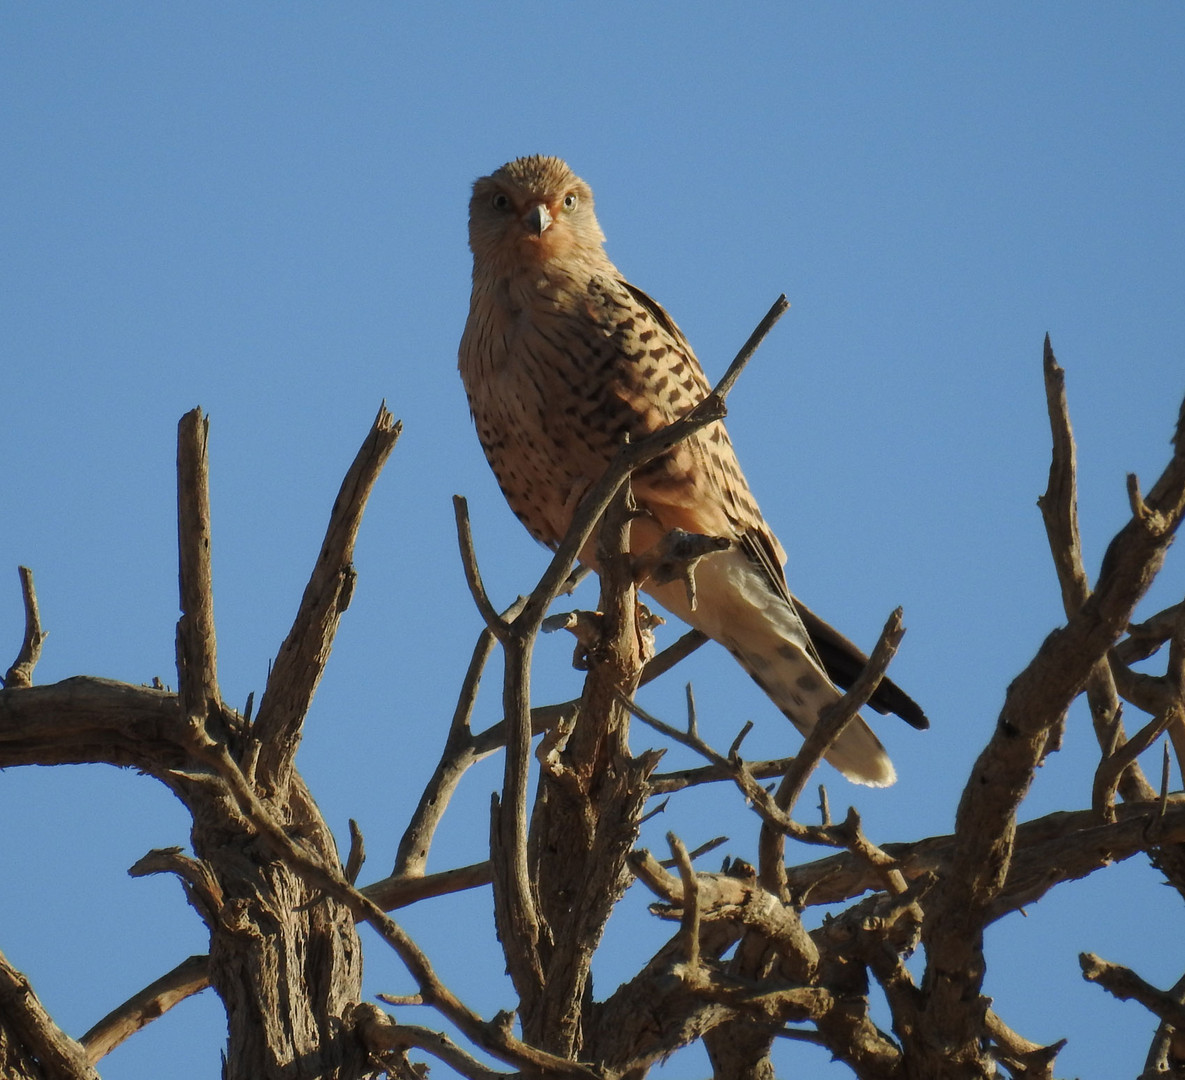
x: 529, y: 212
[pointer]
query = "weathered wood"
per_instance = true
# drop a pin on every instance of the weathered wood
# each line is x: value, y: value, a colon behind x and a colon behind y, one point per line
x: 32, y: 1046
x: 266, y: 878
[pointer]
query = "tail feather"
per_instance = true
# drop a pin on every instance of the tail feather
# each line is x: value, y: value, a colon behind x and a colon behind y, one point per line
x: 737, y: 608
x: 799, y: 689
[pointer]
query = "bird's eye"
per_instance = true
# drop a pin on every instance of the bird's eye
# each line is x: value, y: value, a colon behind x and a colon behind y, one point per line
x: 570, y: 201
x: 500, y: 201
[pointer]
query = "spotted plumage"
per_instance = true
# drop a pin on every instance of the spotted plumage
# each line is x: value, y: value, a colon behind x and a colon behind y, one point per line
x: 562, y: 359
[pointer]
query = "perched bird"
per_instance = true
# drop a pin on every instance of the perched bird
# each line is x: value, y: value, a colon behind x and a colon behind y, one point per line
x: 562, y: 358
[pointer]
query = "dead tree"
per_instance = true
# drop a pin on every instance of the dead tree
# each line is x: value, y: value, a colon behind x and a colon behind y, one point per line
x: 743, y: 965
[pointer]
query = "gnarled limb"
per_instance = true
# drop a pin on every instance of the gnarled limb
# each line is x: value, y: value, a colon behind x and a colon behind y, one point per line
x: 985, y: 830
x: 32, y: 1046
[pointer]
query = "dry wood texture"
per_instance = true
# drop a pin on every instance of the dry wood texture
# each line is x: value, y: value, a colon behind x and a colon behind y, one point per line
x: 741, y: 967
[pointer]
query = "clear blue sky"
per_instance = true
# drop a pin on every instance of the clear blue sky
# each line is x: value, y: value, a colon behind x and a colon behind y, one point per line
x: 260, y: 209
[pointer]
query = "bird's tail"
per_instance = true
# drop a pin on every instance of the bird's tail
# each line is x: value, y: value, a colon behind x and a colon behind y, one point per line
x: 798, y: 687
x: 737, y: 607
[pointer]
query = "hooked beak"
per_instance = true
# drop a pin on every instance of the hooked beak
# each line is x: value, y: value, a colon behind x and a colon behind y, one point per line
x: 537, y: 219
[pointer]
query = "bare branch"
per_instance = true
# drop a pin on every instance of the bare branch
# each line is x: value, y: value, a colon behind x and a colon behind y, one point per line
x: 1059, y: 503
x: 461, y: 750
x: 201, y: 884
x: 494, y: 622
x: 1167, y: 1048
x: 85, y: 720
x: 1059, y: 510
x: 662, y: 783
x: 671, y: 655
x: 740, y: 773
x: 357, y: 855
x: 1025, y: 1060
x: 1145, y: 638
x: 189, y: 977
x: 20, y: 675
x: 1035, y: 704
x: 729, y: 897
x: 689, y: 931
x: 882, y: 864
x: 381, y: 1033
x: 514, y: 900
x: 779, y: 308
x: 1125, y: 984
x: 1059, y: 847
x: 838, y: 716
x: 302, y: 657
x: 197, y: 662
x: 1115, y: 763
x: 25, y: 1019
x: 400, y: 890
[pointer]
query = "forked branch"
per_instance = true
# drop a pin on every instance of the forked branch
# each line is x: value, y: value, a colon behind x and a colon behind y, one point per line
x: 1035, y: 704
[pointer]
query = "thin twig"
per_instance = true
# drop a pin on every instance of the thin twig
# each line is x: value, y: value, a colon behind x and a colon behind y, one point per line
x: 672, y: 654
x: 357, y: 855
x: 481, y: 599
x: 400, y: 890
x: 883, y: 864
x: 20, y: 675
x: 740, y: 774
x: 771, y: 843
x: 779, y: 308
x: 381, y: 1034
x: 1114, y: 764
x: 677, y: 780
x: 703, y: 849
x: 461, y: 750
x: 689, y: 930
x: 832, y: 723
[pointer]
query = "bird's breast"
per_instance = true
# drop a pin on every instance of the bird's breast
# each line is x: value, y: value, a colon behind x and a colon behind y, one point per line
x: 523, y: 365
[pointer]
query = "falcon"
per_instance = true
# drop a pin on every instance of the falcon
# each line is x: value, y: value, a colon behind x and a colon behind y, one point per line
x: 563, y: 359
